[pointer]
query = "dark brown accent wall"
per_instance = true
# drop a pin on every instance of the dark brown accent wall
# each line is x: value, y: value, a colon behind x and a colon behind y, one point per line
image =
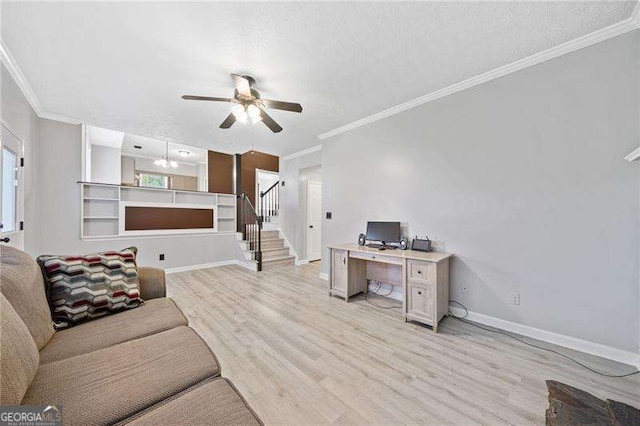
x: 154, y: 218
x: 220, y: 172
x: 251, y: 161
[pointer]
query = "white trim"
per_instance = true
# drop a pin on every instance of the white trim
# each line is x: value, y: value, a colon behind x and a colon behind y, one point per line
x: 250, y: 265
x: 324, y: 276
x: 201, y: 266
x: 633, y: 156
x: 11, y: 131
x: 292, y: 251
x: 635, y: 16
x: 303, y: 152
x: 301, y: 262
x: 14, y: 69
x: 60, y: 118
x: 622, y: 27
x: 20, y: 79
x: 576, y: 344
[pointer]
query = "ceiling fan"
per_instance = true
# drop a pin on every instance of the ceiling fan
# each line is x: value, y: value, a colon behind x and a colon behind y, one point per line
x: 248, y: 104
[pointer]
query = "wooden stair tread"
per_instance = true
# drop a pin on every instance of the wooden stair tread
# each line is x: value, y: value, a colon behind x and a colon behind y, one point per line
x: 275, y: 249
x: 276, y: 259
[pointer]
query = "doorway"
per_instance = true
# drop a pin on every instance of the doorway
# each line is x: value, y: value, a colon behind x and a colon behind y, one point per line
x: 314, y: 220
x: 11, y: 190
x: 265, y: 179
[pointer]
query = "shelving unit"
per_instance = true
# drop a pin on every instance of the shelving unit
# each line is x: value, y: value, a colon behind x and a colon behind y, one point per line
x: 100, y: 207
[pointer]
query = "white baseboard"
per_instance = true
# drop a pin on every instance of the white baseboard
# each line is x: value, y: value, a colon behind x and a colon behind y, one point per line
x: 301, y: 262
x: 574, y: 343
x: 201, y: 266
x: 324, y: 276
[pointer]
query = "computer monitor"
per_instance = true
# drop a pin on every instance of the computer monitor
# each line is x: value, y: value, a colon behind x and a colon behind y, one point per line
x: 385, y: 232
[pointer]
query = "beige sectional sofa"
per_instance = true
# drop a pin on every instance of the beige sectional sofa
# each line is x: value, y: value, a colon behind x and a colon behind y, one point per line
x: 144, y: 366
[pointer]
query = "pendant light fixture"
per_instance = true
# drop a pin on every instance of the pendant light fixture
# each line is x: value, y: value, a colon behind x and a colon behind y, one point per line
x: 166, y: 161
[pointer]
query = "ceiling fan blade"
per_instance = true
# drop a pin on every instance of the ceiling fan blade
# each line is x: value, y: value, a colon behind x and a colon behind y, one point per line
x: 285, y: 106
x: 269, y: 122
x: 205, y: 98
x: 228, y: 122
x: 242, y: 84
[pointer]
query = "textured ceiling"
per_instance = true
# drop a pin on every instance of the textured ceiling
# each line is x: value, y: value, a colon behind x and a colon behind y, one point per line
x: 124, y: 66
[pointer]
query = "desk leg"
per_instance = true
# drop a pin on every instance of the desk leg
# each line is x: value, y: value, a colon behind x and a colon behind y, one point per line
x: 404, y: 290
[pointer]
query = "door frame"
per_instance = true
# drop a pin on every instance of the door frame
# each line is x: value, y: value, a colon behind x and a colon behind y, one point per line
x: 307, y: 213
x: 269, y: 172
x: 17, y: 235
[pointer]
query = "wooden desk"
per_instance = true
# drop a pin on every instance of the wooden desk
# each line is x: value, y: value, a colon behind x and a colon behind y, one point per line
x: 424, y: 278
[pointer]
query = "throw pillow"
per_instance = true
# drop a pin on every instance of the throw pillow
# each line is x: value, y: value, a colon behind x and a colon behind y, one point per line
x: 80, y: 288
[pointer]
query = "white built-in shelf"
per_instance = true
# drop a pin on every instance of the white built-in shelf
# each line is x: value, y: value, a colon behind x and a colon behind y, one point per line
x: 102, y: 207
x: 101, y: 217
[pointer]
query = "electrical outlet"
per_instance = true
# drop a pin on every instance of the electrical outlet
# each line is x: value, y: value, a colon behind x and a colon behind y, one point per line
x: 465, y: 289
x: 514, y: 298
x: 161, y: 257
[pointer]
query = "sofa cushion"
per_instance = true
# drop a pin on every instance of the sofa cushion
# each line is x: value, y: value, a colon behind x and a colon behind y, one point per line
x: 109, y: 385
x: 152, y: 317
x: 18, y: 355
x: 21, y: 283
x: 215, y: 402
x: 86, y: 287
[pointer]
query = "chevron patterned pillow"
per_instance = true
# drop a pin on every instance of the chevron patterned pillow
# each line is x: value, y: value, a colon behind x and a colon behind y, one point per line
x: 80, y: 288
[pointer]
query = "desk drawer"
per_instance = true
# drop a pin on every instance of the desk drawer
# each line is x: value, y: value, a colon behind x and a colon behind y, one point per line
x: 376, y: 257
x: 424, y: 272
x: 421, y: 302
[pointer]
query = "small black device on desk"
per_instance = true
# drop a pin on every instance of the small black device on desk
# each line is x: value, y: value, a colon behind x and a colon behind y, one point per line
x: 420, y: 244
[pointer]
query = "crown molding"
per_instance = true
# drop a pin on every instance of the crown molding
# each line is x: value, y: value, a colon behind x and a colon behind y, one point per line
x: 635, y: 17
x: 14, y: 69
x: 622, y: 27
x: 19, y: 78
x: 303, y: 152
x: 61, y: 118
x: 634, y: 156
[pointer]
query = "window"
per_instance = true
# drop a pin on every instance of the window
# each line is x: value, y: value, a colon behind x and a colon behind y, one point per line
x: 9, y: 192
x: 154, y: 181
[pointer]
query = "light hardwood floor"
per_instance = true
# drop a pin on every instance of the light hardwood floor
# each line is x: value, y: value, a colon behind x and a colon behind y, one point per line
x: 302, y: 357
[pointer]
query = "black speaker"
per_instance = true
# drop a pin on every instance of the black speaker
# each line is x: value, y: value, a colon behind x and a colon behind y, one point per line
x: 362, y: 239
x: 403, y: 243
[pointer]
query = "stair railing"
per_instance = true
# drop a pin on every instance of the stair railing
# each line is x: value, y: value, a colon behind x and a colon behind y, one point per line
x: 251, y: 227
x: 269, y: 203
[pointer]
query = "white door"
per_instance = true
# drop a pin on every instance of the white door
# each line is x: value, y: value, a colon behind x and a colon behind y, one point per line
x: 314, y: 220
x: 11, y: 190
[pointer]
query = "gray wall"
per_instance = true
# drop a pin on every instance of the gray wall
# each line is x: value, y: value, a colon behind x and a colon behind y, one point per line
x: 53, y: 153
x: 523, y: 178
x: 60, y: 162
x: 292, y: 216
x: 17, y: 114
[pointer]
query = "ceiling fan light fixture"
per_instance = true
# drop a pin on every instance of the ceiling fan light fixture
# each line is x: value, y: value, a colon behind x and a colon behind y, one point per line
x: 254, y: 113
x: 173, y: 163
x: 240, y: 112
x: 247, y: 104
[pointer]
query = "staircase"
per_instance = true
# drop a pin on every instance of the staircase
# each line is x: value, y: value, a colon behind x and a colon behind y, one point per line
x: 259, y: 236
